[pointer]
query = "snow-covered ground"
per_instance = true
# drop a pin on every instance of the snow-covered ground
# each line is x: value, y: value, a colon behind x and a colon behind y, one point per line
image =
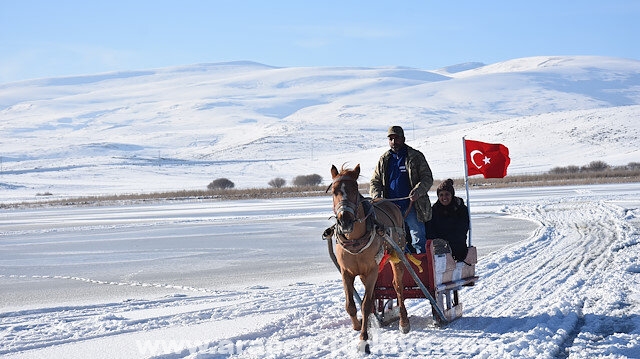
x: 559, y: 269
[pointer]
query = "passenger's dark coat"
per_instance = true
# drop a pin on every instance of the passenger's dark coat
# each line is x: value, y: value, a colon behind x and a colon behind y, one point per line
x: 450, y: 223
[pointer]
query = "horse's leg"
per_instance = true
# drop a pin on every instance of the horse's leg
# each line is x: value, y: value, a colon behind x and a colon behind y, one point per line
x: 369, y: 281
x: 350, y: 304
x: 398, y: 274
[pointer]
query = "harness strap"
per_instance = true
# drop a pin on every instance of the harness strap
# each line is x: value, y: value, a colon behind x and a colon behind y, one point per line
x: 355, y: 243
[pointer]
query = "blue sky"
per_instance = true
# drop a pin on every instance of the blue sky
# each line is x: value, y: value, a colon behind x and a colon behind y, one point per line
x: 62, y: 38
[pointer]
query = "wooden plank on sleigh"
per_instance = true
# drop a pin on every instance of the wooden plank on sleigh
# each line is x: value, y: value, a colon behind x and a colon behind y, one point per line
x: 446, y: 269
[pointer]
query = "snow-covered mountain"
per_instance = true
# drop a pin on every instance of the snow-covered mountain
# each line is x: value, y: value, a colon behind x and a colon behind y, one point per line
x: 181, y: 127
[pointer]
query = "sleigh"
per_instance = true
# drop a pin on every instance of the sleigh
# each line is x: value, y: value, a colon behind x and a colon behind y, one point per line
x: 439, y: 279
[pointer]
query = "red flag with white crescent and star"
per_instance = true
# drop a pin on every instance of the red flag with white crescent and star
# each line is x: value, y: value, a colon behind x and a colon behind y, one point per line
x: 488, y: 159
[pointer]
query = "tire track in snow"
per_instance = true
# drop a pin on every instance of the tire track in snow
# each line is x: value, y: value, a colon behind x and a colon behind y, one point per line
x: 115, y: 283
x: 573, y: 249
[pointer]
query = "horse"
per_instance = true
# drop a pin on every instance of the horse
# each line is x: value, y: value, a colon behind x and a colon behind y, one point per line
x: 360, y: 226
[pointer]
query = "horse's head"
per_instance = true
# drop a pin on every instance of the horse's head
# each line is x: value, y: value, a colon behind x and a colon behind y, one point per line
x: 346, y: 197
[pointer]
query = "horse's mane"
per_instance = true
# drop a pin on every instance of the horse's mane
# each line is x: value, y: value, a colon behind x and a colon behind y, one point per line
x: 346, y: 171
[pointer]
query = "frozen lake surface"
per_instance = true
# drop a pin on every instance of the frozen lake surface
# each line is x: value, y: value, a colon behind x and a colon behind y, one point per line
x: 199, y: 244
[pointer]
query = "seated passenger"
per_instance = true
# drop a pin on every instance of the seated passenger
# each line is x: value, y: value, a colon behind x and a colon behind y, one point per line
x: 450, y: 220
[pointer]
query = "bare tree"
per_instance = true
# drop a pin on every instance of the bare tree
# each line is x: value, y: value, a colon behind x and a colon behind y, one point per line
x: 307, y: 180
x: 277, y: 182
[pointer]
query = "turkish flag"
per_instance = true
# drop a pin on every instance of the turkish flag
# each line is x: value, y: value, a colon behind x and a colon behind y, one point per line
x: 488, y: 159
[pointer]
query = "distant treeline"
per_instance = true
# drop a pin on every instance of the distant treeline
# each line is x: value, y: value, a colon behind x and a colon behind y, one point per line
x: 278, y: 182
x: 595, y: 172
x: 595, y: 166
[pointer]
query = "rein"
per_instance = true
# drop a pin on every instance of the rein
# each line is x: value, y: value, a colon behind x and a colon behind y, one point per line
x: 400, y: 199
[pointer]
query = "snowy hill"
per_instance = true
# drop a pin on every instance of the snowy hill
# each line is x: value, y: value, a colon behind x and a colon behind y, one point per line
x: 180, y: 128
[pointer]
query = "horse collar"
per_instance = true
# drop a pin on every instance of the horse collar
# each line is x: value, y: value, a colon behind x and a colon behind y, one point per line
x: 356, y: 246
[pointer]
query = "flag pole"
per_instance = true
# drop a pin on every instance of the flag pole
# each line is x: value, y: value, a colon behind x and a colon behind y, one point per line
x: 466, y: 183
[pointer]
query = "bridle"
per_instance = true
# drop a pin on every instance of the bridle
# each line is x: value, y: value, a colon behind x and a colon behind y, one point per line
x: 345, y: 205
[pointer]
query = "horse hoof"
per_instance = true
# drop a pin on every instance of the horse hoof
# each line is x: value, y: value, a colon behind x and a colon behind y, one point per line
x: 404, y: 329
x: 363, y: 347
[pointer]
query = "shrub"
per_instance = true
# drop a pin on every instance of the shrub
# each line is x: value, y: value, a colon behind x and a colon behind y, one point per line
x: 307, y: 180
x: 596, y: 166
x: 558, y: 170
x: 277, y: 182
x: 220, y: 183
x: 633, y: 166
x: 573, y: 169
x: 593, y: 166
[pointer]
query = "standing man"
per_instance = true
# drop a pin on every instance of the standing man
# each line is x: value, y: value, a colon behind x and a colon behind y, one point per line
x: 403, y: 172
